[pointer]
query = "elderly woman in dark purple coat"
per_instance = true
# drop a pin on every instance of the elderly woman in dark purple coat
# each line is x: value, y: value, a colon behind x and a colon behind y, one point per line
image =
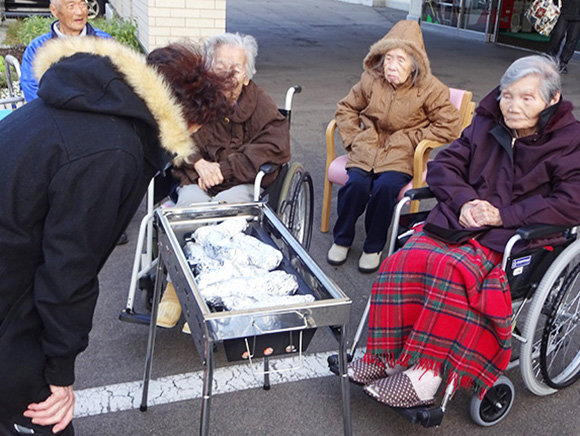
x: 441, y: 306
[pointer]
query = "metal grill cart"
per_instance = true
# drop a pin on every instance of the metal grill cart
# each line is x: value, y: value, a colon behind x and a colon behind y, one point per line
x: 263, y: 332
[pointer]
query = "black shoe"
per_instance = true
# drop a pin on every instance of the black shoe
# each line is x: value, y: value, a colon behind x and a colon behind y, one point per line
x: 563, y: 69
x: 123, y: 239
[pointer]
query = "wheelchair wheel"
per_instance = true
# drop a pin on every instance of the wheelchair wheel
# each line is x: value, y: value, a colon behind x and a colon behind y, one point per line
x: 560, y: 348
x: 495, y: 405
x: 295, y: 206
x: 550, y: 359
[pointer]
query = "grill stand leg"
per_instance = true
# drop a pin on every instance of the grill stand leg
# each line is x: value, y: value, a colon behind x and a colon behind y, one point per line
x: 209, y: 365
x: 160, y: 277
x: 266, y: 373
x: 345, y: 385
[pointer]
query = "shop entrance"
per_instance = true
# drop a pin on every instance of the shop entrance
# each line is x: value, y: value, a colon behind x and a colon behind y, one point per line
x: 511, y: 28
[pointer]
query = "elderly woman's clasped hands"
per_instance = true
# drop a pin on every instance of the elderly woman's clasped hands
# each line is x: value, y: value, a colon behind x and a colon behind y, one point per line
x: 210, y: 174
x: 479, y: 213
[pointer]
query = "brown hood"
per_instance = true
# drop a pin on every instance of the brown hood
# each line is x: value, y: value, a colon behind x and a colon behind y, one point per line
x: 406, y: 35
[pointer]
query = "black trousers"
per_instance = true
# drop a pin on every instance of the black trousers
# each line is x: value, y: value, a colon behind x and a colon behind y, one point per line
x: 564, y: 29
x: 22, y: 364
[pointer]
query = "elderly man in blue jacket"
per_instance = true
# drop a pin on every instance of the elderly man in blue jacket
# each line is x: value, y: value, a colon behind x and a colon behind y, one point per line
x: 71, y: 20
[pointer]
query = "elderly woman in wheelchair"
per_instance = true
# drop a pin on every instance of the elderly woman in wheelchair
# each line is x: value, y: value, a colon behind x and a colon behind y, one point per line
x: 232, y: 150
x: 441, y: 306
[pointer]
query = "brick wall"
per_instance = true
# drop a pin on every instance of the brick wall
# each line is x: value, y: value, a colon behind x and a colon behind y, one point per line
x: 162, y: 21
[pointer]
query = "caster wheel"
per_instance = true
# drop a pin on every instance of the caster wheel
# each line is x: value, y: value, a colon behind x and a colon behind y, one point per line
x: 495, y: 405
x: 147, y: 286
x: 333, y: 364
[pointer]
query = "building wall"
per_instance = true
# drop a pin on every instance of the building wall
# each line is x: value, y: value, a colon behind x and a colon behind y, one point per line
x: 402, y: 5
x: 162, y: 21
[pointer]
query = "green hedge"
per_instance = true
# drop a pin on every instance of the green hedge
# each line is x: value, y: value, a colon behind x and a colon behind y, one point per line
x: 31, y: 27
x: 21, y: 32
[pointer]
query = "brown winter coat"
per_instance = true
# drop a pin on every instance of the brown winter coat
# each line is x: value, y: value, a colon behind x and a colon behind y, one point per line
x: 255, y: 133
x: 381, y: 125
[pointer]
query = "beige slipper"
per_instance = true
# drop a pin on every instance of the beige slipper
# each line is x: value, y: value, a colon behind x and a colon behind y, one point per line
x: 169, y: 308
x: 369, y: 262
x: 337, y: 254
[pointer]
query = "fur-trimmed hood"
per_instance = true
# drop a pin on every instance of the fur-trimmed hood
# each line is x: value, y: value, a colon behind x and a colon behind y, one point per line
x: 407, y: 35
x: 84, y: 94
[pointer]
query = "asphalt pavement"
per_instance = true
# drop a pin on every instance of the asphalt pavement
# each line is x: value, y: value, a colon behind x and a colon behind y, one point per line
x: 320, y: 45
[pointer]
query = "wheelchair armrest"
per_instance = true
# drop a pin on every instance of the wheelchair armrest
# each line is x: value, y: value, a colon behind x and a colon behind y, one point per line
x: 536, y: 231
x: 529, y: 233
x: 419, y: 193
x: 268, y: 168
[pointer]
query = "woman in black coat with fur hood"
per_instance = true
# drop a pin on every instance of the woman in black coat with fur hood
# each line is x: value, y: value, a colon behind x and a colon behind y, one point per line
x: 75, y: 165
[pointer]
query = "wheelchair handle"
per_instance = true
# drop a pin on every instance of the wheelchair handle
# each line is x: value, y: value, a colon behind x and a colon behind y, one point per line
x: 296, y: 89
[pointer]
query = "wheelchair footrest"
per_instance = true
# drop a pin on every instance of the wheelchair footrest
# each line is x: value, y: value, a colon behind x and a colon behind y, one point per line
x: 135, y: 318
x: 333, y: 365
x: 427, y: 416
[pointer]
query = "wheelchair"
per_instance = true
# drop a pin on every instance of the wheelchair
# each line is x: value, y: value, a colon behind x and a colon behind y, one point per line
x: 291, y: 196
x: 13, y: 98
x: 545, y: 288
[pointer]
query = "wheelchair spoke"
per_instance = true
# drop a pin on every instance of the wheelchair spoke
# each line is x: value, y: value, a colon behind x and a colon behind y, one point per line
x: 536, y: 367
x: 556, y: 346
x: 296, y: 204
x: 563, y: 343
x: 560, y: 352
x: 550, y: 357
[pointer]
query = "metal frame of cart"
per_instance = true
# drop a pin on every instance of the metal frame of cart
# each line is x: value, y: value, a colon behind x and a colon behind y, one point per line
x: 331, y: 307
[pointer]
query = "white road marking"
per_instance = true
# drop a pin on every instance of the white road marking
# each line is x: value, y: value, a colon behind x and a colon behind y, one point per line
x: 189, y: 386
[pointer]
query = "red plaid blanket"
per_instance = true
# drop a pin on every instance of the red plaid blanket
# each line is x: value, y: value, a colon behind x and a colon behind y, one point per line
x: 445, y: 307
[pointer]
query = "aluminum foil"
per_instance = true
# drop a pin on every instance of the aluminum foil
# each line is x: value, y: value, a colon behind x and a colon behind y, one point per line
x: 246, y: 303
x: 226, y: 241
x: 226, y: 271
x: 260, y: 287
x: 236, y: 271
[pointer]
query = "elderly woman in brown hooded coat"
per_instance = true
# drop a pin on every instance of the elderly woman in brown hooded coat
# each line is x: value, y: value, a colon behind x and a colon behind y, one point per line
x: 396, y: 104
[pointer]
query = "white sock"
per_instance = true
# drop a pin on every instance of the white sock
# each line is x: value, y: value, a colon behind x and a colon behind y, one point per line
x: 424, y: 381
x: 394, y: 370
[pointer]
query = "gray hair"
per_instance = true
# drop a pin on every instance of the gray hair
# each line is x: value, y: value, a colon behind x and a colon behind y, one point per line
x: 544, y: 66
x: 247, y: 42
x: 56, y: 2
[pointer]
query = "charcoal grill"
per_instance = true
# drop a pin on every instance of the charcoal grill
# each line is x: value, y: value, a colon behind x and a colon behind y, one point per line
x: 247, y: 334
